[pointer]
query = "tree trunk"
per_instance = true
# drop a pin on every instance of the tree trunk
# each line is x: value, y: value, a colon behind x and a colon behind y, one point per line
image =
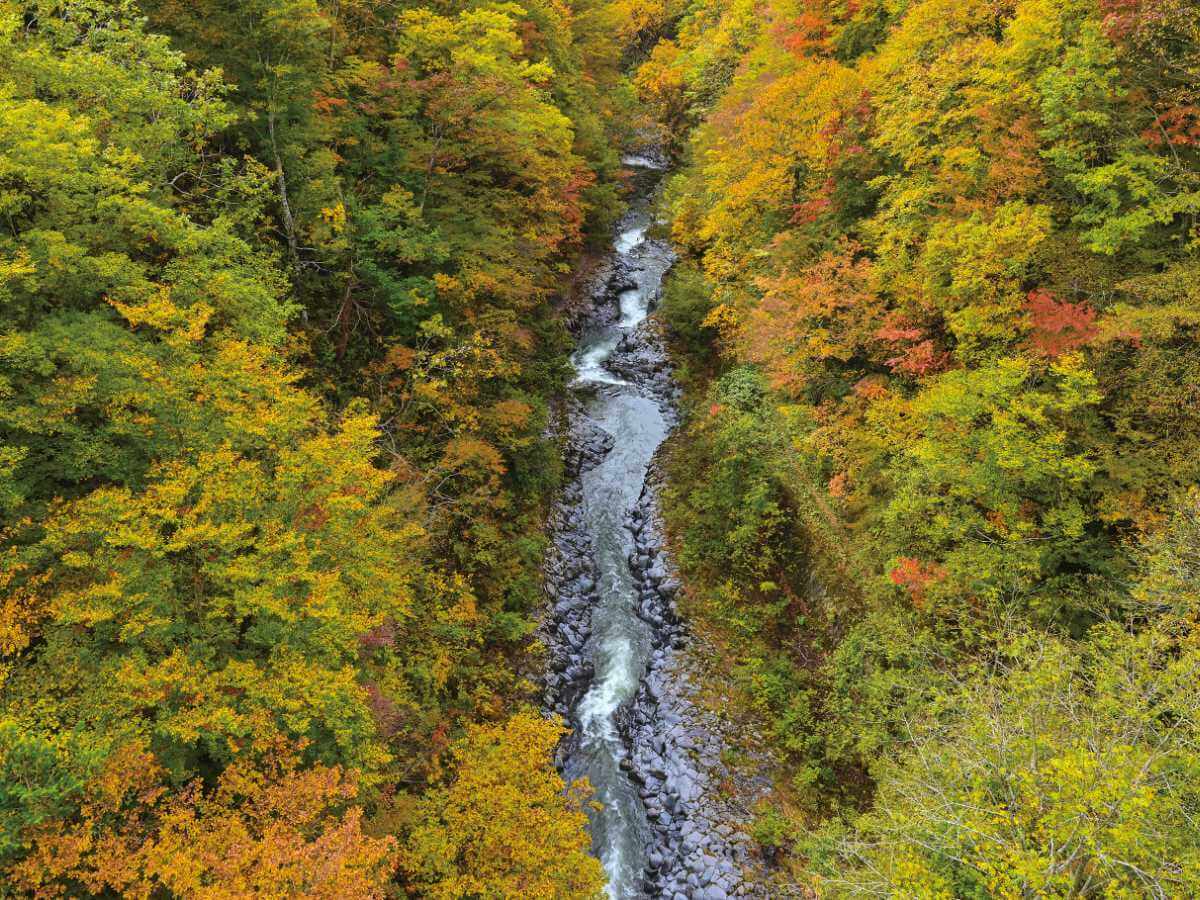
x: 289, y: 222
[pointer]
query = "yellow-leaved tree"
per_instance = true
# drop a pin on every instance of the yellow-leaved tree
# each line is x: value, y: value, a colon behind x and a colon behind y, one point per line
x: 506, y: 826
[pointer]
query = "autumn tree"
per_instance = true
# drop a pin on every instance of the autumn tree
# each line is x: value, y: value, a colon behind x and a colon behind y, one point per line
x: 506, y: 825
x: 263, y: 831
x: 1059, y: 775
x: 953, y: 244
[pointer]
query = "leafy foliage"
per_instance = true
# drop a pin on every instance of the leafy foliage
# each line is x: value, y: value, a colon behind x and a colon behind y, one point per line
x: 1058, y: 776
x: 276, y: 346
x: 506, y: 826
x: 954, y: 243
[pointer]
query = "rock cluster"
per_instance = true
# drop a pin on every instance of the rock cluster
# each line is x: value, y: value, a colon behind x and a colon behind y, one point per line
x: 700, y: 851
x: 570, y: 574
x: 641, y: 359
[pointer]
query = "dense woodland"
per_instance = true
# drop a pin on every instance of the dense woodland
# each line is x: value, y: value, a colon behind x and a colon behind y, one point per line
x: 279, y: 341
x: 938, y: 491
x: 276, y: 347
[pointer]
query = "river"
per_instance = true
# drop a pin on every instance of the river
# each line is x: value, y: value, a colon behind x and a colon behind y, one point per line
x: 614, y: 671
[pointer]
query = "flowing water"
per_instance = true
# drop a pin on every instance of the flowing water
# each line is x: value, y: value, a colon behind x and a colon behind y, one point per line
x: 620, y: 643
x: 620, y: 666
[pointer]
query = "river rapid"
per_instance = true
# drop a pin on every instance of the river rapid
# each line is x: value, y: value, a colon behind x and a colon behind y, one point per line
x: 616, y: 672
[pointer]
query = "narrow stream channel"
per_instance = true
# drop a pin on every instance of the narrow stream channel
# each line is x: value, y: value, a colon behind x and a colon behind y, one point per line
x: 600, y: 646
x: 620, y: 643
x: 616, y: 670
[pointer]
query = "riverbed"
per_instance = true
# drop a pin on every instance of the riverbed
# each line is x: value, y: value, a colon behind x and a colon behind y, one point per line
x: 616, y: 670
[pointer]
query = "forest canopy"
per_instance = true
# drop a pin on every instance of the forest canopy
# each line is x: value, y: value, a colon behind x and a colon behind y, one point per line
x: 277, y: 341
x: 938, y: 312
x: 282, y: 289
